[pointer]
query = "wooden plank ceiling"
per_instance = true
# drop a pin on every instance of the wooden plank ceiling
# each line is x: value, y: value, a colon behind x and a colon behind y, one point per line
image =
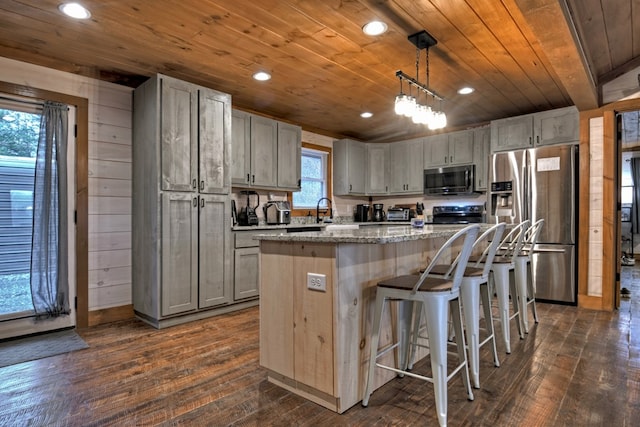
x: 519, y: 55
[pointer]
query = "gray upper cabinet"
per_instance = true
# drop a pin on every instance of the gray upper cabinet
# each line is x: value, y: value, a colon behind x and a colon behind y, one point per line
x: 179, y: 135
x: 559, y: 126
x: 289, y: 156
x: 481, y: 141
x: 512, y: 133
x: 436, y: 151
x: 406, y: 166
x: 450, y: 149
x: 266, y: 153
x: 194, y: 154
x: 241, y: 148
x: 181, y: 252
x: 349, y: 159
x: 377, y: 169
x: 214, y: 155
x: 548, y: 127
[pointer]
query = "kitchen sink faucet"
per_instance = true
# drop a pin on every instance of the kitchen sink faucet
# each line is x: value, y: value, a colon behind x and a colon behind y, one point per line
x: 329, y: 209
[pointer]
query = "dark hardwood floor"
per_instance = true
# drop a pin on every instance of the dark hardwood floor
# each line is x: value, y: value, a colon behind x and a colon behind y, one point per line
x: 575, y: 368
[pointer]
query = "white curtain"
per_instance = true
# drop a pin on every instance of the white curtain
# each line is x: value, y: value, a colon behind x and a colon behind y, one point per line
x: 49, y: 268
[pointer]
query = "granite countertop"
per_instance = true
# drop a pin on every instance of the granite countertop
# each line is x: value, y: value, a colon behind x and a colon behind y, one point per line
x: 313, y: 225
x: 371, y: 235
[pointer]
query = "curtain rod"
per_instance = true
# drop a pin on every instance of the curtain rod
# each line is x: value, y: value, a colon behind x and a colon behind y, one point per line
x: 23, y: 101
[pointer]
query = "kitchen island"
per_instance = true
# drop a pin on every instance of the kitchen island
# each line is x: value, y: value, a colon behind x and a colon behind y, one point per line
x: 317, y: 292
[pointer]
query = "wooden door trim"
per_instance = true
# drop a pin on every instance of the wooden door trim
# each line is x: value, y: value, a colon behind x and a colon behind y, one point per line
x: 82, y: 188
x: 609, y: 202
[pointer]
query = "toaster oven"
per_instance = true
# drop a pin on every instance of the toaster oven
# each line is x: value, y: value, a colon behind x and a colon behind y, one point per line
x: 397, y: 214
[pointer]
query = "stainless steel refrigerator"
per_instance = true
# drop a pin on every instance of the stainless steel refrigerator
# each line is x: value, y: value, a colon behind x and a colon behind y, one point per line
x: 541, y: 183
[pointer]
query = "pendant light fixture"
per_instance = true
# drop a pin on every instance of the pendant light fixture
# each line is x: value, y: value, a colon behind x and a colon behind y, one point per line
x: 408, y: 105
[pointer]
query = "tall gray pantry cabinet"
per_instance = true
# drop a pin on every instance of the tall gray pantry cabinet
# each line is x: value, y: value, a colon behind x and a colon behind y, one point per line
x: 181, y: 203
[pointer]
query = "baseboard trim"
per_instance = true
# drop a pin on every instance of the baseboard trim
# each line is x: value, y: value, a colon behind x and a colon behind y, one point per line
x: 112, y: 314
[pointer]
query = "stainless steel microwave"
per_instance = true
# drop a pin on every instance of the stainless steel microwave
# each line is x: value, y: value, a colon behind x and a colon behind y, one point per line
x: 449, y: 181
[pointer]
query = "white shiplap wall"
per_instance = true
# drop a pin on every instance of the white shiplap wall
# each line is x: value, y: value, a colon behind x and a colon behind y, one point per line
x: 109, y: 175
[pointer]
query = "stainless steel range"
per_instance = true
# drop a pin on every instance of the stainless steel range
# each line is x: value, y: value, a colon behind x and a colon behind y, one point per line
x: 458, y: 214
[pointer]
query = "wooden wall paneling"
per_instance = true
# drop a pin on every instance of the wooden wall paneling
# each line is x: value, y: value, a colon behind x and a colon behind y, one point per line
x: 359, y: 268
x: 109, y: 223
x: 313, y: 333
x: 100, y: 132
x: 110, y: 151
x: 109, y: 169
x: 109, y: 205
x: 584, y: 210
x: 110, y: 187
x: 108, y: 241
x: 106, y: 296
x: 277, y: 306
x: 109, y: 115
x: 110, y: 276
x: 109, y: 259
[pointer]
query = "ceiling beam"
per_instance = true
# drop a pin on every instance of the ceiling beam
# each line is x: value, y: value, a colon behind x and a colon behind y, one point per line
x: 562, y: 48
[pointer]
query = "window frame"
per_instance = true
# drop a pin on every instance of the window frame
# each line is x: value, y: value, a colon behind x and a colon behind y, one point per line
x: 328, y: 151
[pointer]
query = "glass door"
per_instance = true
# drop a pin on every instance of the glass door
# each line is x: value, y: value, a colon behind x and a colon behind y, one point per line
x: 19, y: 130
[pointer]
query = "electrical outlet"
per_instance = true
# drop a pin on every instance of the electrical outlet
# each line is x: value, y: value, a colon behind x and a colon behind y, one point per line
x: 317, y: 282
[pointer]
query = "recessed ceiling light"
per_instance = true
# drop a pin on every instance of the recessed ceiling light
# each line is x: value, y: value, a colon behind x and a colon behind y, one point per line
x: 75, y: 10
x: 366, y: 115
x: 374, y: 28
x: 262, y: 76
x: 465, y: 90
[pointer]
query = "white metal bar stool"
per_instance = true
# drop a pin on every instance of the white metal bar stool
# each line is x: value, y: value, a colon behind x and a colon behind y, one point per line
x: 474, y: 286
x: 524, y: 275
x: 503, y: 264
x: 436, y: 296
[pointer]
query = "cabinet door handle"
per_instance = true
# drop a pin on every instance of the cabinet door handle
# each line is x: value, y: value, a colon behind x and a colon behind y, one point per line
x: 253, y: 179
x: 195, y: 184
x: 202, y: 202
x: 349, y: 187
x: 451, y: 159
x: 248, y: 178
x: 445, y: 159
x: 201, y: 185
x: 195, y: 202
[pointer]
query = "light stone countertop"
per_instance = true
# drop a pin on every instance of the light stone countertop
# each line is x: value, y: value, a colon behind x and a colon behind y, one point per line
x: 369, y: 235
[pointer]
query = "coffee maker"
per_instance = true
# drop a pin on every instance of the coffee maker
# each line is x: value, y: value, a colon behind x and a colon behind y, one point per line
x: 378, y: 213
x: 361, y: 213
x: 247, y: 214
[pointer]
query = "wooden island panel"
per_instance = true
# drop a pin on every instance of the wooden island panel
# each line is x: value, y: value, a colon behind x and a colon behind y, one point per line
x: 316, y: 344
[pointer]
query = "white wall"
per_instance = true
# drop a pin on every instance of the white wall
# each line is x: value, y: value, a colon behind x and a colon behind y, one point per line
x: 109, y: 175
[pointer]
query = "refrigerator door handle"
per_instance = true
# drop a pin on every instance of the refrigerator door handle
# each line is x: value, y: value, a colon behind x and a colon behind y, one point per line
x: 545, y: 250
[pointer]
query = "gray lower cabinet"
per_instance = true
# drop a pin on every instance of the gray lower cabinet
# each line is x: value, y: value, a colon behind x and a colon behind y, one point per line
x: 195, y: 252
x: 246, y: 270
x: 181, y: 231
